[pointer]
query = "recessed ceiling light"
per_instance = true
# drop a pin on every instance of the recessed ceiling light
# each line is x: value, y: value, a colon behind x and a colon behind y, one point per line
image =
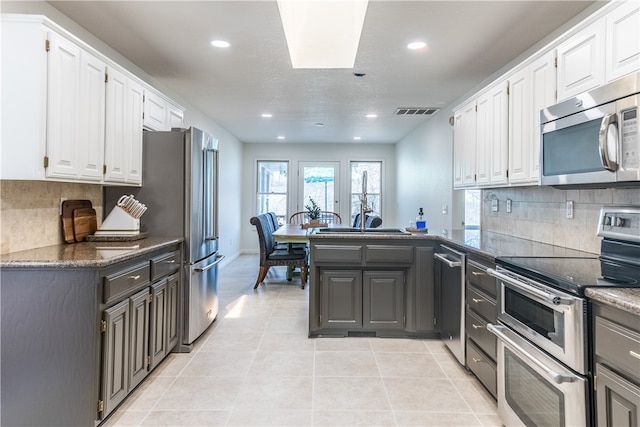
x: 416, y: 45
x: 372, y: 116
x: 220, y: 43
x: 267, y: 115
x: 357, y: 138
x: 319, y: 124
x: 281, y: 137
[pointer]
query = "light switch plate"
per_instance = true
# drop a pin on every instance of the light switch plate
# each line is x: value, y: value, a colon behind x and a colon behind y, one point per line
x: 445, y: 209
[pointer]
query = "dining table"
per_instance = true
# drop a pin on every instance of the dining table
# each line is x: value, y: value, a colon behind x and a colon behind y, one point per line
x: 292, y: 233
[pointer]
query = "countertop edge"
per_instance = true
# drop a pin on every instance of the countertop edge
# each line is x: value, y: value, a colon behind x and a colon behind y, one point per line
x: 626, y: 299
x: 84, y: 254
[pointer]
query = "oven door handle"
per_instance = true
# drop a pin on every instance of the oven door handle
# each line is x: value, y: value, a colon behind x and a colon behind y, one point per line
x: 555, y: 376
x: 546, y: 296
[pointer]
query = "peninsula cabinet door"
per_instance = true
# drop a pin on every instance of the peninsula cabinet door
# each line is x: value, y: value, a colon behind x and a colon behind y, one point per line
x: 341, y: 299
x: 139, y: 350
x: 383, y: 300
x: 617, y: 400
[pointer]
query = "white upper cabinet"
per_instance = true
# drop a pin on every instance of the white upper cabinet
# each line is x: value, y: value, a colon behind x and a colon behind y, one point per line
x: 156, y: 111
x: 62, y: 118
x: 464, y: 146
x: 580, y: 61
x: 160, y: 113
x: 623, y: 40
x: 123, y: 136
x: 530, y: 90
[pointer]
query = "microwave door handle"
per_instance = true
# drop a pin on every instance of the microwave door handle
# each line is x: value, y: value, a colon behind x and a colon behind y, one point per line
x: 531, y: 290
x: 608, y: 120
x: 557, y: 378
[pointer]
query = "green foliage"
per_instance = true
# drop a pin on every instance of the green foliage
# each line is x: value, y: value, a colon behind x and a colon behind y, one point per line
x: 313, y: 210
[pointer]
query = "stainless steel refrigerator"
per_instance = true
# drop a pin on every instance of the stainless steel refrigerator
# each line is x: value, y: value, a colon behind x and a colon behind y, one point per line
x: 180, y: 190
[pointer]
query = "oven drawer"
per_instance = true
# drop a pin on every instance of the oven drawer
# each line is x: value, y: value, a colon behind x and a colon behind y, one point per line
x: 476, y: 329
x: 481, y: 304
x: 619, y: 345
x: 482, y: 367
x: 477, y: 275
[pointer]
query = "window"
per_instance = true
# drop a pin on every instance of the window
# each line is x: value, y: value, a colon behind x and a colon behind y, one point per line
x: 374, y: 187
x: 472, y: 205
x: 272, y: 188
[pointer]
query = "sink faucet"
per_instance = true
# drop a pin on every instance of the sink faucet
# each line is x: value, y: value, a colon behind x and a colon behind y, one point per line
x: 364, y: 209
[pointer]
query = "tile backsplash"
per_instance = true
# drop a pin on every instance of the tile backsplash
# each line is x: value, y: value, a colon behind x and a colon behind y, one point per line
x: 539, y: 214
x: 30, y: 211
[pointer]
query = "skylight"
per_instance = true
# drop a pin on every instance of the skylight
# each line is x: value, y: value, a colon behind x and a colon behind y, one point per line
x: 321, y: 33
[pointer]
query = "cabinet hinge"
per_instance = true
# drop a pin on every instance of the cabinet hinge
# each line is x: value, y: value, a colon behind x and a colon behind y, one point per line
x: 321, y: 278
x: 595, y: 383
x: 435, y: 321
x: 104, y: 169
x: 47, y: 45
x: 148, y: 360
x: 404, y: 320
x: 320, y: 320
x: 508, y: 89
x: 476, y: 108
x: 103, y: 326
x: 46, y: 162
x: 507, y: 173
x: 106, y: 78
x: 150, y: 297
x: 100, y: 405
x: 555, y: 62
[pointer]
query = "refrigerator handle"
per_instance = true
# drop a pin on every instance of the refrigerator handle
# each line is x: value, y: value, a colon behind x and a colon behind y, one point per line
x: 210, y: 194
x: 219, y: 258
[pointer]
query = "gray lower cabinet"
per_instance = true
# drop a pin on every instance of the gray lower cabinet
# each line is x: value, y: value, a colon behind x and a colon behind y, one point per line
x: 355, y: 299
x: 617, y: 366
x: 140, y: 330
x: 373, y: 287
x: 481, y: 308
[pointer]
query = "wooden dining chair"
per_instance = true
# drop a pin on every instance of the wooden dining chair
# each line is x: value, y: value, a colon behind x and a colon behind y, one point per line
x: 330, y: 217
x: 299, y: 218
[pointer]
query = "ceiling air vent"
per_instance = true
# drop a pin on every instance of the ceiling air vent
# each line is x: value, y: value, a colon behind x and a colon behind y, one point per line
x: 415, y: 111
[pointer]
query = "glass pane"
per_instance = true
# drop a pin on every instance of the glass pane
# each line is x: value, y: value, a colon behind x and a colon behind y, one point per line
x: 540, y: 318
x: 536, y: 401
x: 273, y: 203
x: 374, y: 187
x: 572, y: 150
x: 319, y: 186
x: 472, y: 206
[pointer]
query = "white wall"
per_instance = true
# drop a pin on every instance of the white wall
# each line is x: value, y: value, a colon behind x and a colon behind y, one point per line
x: 230, y: 147
x: 425, y: 179
x: 294, y: 153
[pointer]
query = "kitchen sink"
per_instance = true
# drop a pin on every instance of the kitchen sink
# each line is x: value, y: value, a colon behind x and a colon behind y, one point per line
x: 340, y: 230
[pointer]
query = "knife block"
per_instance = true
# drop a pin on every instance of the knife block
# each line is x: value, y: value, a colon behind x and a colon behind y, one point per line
x: 119, y: 223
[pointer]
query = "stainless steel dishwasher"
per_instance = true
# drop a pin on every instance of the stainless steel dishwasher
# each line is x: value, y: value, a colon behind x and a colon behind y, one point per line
x: 450, y: 275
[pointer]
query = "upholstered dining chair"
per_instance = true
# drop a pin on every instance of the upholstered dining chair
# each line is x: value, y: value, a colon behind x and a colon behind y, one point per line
x: 372, y: 221
x: 270, y: 256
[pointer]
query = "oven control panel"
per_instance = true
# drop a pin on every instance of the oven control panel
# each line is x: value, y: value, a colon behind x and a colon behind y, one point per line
x: 620, y: 223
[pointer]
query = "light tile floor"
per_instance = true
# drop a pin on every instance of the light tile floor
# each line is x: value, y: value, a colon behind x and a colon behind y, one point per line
x: 255, y: 366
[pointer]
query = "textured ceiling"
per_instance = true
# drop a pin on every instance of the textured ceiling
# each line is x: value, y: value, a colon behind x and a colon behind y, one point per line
x: 467, y: 42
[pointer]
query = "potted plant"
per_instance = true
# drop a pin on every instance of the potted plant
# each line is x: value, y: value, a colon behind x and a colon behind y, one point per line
x: 313, y: 212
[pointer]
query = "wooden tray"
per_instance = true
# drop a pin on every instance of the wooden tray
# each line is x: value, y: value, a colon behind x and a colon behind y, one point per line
x: 68, y: 206
x: 84, y: 223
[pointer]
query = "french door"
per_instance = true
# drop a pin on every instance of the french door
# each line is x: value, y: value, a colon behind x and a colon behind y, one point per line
x: 319, y: 181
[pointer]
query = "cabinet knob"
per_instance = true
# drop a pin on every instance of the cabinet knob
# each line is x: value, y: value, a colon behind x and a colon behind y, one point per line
x: 136, y: 277
x: 477, y: 360
x: 477, y: 300
x: 477, y: 326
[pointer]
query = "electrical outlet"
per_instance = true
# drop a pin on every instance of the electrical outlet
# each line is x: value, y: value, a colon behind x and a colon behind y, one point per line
x: 445, y: 209
x: 569, y: 209
x: 508, y: 205
x: 62, y: 199
x: 494, y: 205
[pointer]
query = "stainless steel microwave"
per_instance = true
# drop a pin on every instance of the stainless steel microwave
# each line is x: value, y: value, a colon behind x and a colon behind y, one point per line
x: 592, y: 139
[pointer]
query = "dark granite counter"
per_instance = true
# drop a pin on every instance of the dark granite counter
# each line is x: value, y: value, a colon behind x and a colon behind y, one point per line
x: 627, y: 299
x: 84, y: 254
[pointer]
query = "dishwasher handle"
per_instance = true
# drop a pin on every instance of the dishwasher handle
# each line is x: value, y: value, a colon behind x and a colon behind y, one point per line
x: 447, y: 261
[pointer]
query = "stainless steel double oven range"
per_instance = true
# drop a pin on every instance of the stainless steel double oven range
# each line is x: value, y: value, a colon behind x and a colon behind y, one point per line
x: 545, y: 369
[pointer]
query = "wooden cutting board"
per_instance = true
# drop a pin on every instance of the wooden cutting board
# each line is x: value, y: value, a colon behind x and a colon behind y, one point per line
x: 68, y: 206
x: 84, y: 223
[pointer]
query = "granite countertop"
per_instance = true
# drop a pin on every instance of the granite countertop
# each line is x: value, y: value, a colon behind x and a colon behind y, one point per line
x: 84, y: 254
x: 627, y: 299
